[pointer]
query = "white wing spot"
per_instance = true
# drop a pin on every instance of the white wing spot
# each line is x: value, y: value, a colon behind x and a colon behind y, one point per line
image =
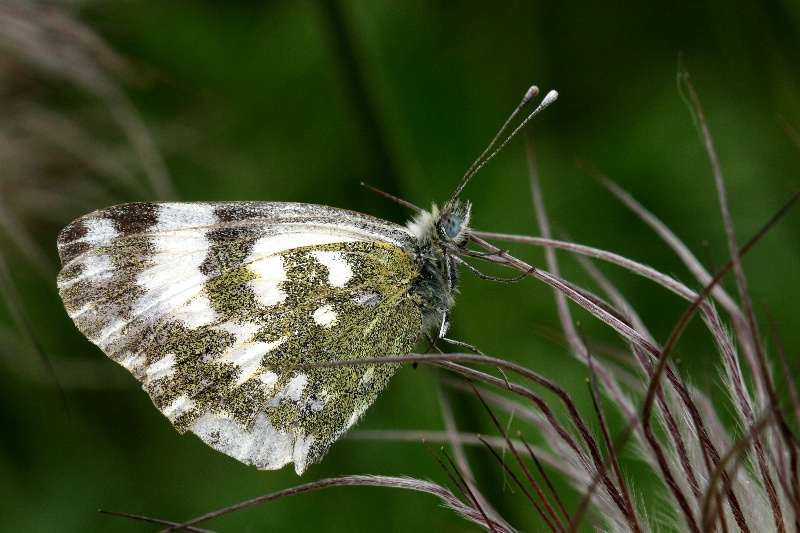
x: 248, y: 357
x: 178, y: 216
x: 174, y: 278
x: 339, y: 271
x: 269, y: 379
x: 260, y: 444
x: 161, y: 368
x: 325, y: 316
x: 98, y: 231
x: 270, y: 274
x: 105, y: 336
x: 181, y: 405
x: 196, y: 312
x: 281, y: 242
x: 240, y: 331
x: 294, y: 389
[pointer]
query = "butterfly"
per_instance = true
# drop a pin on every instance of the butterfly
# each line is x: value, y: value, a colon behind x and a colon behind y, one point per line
x: 227, y: 311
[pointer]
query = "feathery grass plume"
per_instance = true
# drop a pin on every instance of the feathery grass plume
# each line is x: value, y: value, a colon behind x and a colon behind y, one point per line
x: 716, y: 479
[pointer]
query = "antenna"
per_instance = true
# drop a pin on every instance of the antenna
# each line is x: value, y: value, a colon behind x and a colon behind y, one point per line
x: 548, y: 99
x: 400, y: 201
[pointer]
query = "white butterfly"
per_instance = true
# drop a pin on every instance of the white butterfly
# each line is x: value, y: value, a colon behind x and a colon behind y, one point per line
x: 218, y: 309
x: 213, y: 307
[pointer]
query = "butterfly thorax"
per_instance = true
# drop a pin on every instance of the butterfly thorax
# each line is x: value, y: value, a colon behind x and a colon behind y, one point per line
x: 439, y: 235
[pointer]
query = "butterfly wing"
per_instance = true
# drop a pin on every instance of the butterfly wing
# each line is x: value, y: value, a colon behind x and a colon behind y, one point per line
x: 218, y: 309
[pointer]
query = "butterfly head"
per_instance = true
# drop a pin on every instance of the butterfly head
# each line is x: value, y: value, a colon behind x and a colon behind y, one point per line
x: 444, y: 226
x: 453, y: 222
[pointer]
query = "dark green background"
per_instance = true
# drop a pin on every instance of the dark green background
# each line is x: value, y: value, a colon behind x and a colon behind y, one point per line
x: 300, y: 101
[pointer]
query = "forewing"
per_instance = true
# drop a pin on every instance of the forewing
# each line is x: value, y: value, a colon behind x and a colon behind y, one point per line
x: 219, y: 308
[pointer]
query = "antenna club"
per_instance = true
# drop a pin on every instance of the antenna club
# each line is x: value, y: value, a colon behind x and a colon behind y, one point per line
x: 531, y: 93
x: 484, y: 158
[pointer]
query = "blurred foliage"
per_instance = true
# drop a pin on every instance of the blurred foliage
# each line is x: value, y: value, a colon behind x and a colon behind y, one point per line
x: 301, y: 101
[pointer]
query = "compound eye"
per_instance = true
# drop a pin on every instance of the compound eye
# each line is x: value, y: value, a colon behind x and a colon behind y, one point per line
x: 451, y: 225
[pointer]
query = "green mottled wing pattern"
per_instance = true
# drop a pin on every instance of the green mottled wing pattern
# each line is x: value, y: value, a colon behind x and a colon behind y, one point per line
x: 221, y: 309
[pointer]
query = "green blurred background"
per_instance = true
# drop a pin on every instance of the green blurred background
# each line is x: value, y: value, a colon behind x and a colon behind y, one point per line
x: 300, y: 101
